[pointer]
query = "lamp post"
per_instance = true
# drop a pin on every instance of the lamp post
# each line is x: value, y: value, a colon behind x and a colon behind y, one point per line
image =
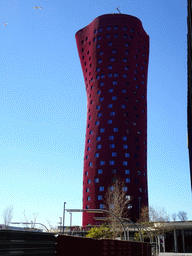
x: 64, y: 216
x: 70, y: 221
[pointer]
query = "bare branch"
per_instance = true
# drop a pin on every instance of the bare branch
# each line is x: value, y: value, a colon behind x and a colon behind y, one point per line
x: 182, y: 216
x: 7, y: 215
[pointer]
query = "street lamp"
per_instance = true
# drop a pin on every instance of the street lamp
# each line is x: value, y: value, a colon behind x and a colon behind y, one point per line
x: 30, y: 223
x: 99, y: 211
x: 64, y: 216
x: 70, y: 220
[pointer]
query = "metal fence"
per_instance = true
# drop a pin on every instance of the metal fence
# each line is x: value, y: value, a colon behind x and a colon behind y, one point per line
x: 22, y: 243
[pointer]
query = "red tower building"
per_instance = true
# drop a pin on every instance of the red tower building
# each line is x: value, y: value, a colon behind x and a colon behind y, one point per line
x: 114, y: 52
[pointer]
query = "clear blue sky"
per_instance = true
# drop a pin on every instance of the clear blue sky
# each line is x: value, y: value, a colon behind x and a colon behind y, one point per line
x: 43, y: 104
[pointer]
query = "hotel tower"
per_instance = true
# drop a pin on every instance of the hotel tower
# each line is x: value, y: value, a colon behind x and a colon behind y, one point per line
x: 114, y: 53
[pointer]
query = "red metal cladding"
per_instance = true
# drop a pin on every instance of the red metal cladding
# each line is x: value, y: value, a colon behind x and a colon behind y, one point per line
x: 114, y: 53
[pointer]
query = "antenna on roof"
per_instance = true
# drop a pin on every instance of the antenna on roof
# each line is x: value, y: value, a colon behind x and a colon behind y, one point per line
x: 118, y: 9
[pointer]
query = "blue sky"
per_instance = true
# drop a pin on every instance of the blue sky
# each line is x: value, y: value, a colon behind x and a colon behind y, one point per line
x: 43, y: 104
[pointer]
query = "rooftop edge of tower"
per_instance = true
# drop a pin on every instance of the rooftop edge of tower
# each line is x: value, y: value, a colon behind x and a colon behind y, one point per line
x: 110, y: 19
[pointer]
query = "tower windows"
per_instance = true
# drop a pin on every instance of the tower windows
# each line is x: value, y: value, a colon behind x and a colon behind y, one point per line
x: 101, y: 188
x: 101, y: 99
x: 108, y: 27
x: 99, y: 146
x: 100, y: 171
x: 110, y: 90
x: 124, y: 59
x: 98, y: 46
x: 96, y: 180
x: 109, y: 66
x: 114, y: 97
x: 110, y: 105
x: 99, y: 92
x: 126, y: 52
x: 115, y: 129
x: 101, y: 53
x: 124, y: 75
x: 111, y: 162
x: 116, y: 35
x: 112, y: 59
x: 115, y: 27
x: 110, y: 43
x: 102, y: 162
x: 114, y: 51
x: 98, y: 138
x: 88, y: 198
x: 101, y: 206
x: 99, y: 61
x: 124, y: 28
x: 127, y: 155
x: 109, y: 121
x: 125, y: 36
x: 126, y: 68
x: 100, y: 29
x: 124, y: 138
x: 112, y: 113
x: 125, y: 189
x: 102, y: 84
x: 112, y: 145
x: 90, y: 164
x: 95, y: 31
x: 123, y: 106
x: 114, y: 154
x: 99, y: 114
x: 110, y: 75
x: 111, y: 137
x: 98, y: 107
x: 96, y: 155
x: 126, y: 44
x: 128, y: 180
x: 107, y: 36
x: 89, y: 181
x: 87, y: 190
x: 127, y: 171
x: 125, y: 146
x: 116, y: 74
x: 88, y: 148
x: 124, y: 90
x: 125, y: 163
x: 114, y: 82
x: 102, y: 129
x: 99, y: 197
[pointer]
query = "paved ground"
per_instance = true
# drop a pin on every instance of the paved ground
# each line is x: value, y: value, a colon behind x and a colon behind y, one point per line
x: 174, y: 254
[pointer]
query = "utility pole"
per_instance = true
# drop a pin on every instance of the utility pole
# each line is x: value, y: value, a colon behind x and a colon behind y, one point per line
x: 64, y: 216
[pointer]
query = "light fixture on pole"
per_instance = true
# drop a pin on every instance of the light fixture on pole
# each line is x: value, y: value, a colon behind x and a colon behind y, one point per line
x: 64, y: 216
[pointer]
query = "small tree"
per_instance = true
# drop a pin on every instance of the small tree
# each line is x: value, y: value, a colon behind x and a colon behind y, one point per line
x: 174, y: 216
x: 7, y: 215
x: 116, y: 202
x: 102, y: 232
x: 182, y: 216
x: 28, y: 219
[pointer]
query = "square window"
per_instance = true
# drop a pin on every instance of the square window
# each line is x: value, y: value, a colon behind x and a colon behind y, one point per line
x: 91, y: 132
x: 115, y: 27
x: 124, y: 90
x: 112, y: 113
x: 102, y: 76
x: 102, y: 162
x: 128, y: 180
x: 123, y: 106
x: 111, y: 137
x: 101, y: 53
x: 124, y: 138
x: 112, y: 162
x: 125, y: 146
x: 110, y: 105
x: 109, y: 122
x: 116, y: 35
x: 99, y: 114
x: 99, y: 61
x: 124, y: 75
x: 107, y: 36
x: 98, y: 107
x: 114, y: 170
x: 125, y: 189
x: 110, y: 90
x: 97, y: 123
x: 100, y: 29
x: 96, y: 155
x: 97, y: 77
x: 100, y: 171
x: 125, y: 163
x: 140, y: 190
x: 86, y: 173
x: 128, y: 197
x: 96, y: 180
x: 114, y: 154
x: 87, y: 189
x: 87, y: 157
x: 112, y: 59
x: 101, y: 188
x: 97, y: 69
x: 102, y: 84
x: 87, y: 206
x: 99, y: 197
x: 114, y: 82
x: 90, y: 164
x: 116, y: 74
x: 110, y: 43
x: 112, y: 145
x: 108, y: 27
x: 111, y: 188
x: 115, y: 129
x: 127, y: 155
x: 89, y: 181
x: 98, y: 138
x: 114, y: 97
x: 125, y: 36
x: 127, y: 171
x: 124, y: 59
x: 109, y: 66
x: 101, y: 206
x: 88, y: 198
x: 88, y: 148
x: 126, y: 44
x: 114, y: 51
x: 124, y: 28
x: 102, y: 129
x: 98, y: 46
x: 95, y: 31
x: 101, y: 99
x: 110, y: 75
x: 126, y: 52
x: 99, y: 146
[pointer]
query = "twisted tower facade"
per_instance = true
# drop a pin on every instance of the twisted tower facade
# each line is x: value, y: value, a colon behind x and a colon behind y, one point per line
x: 114, y: 52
